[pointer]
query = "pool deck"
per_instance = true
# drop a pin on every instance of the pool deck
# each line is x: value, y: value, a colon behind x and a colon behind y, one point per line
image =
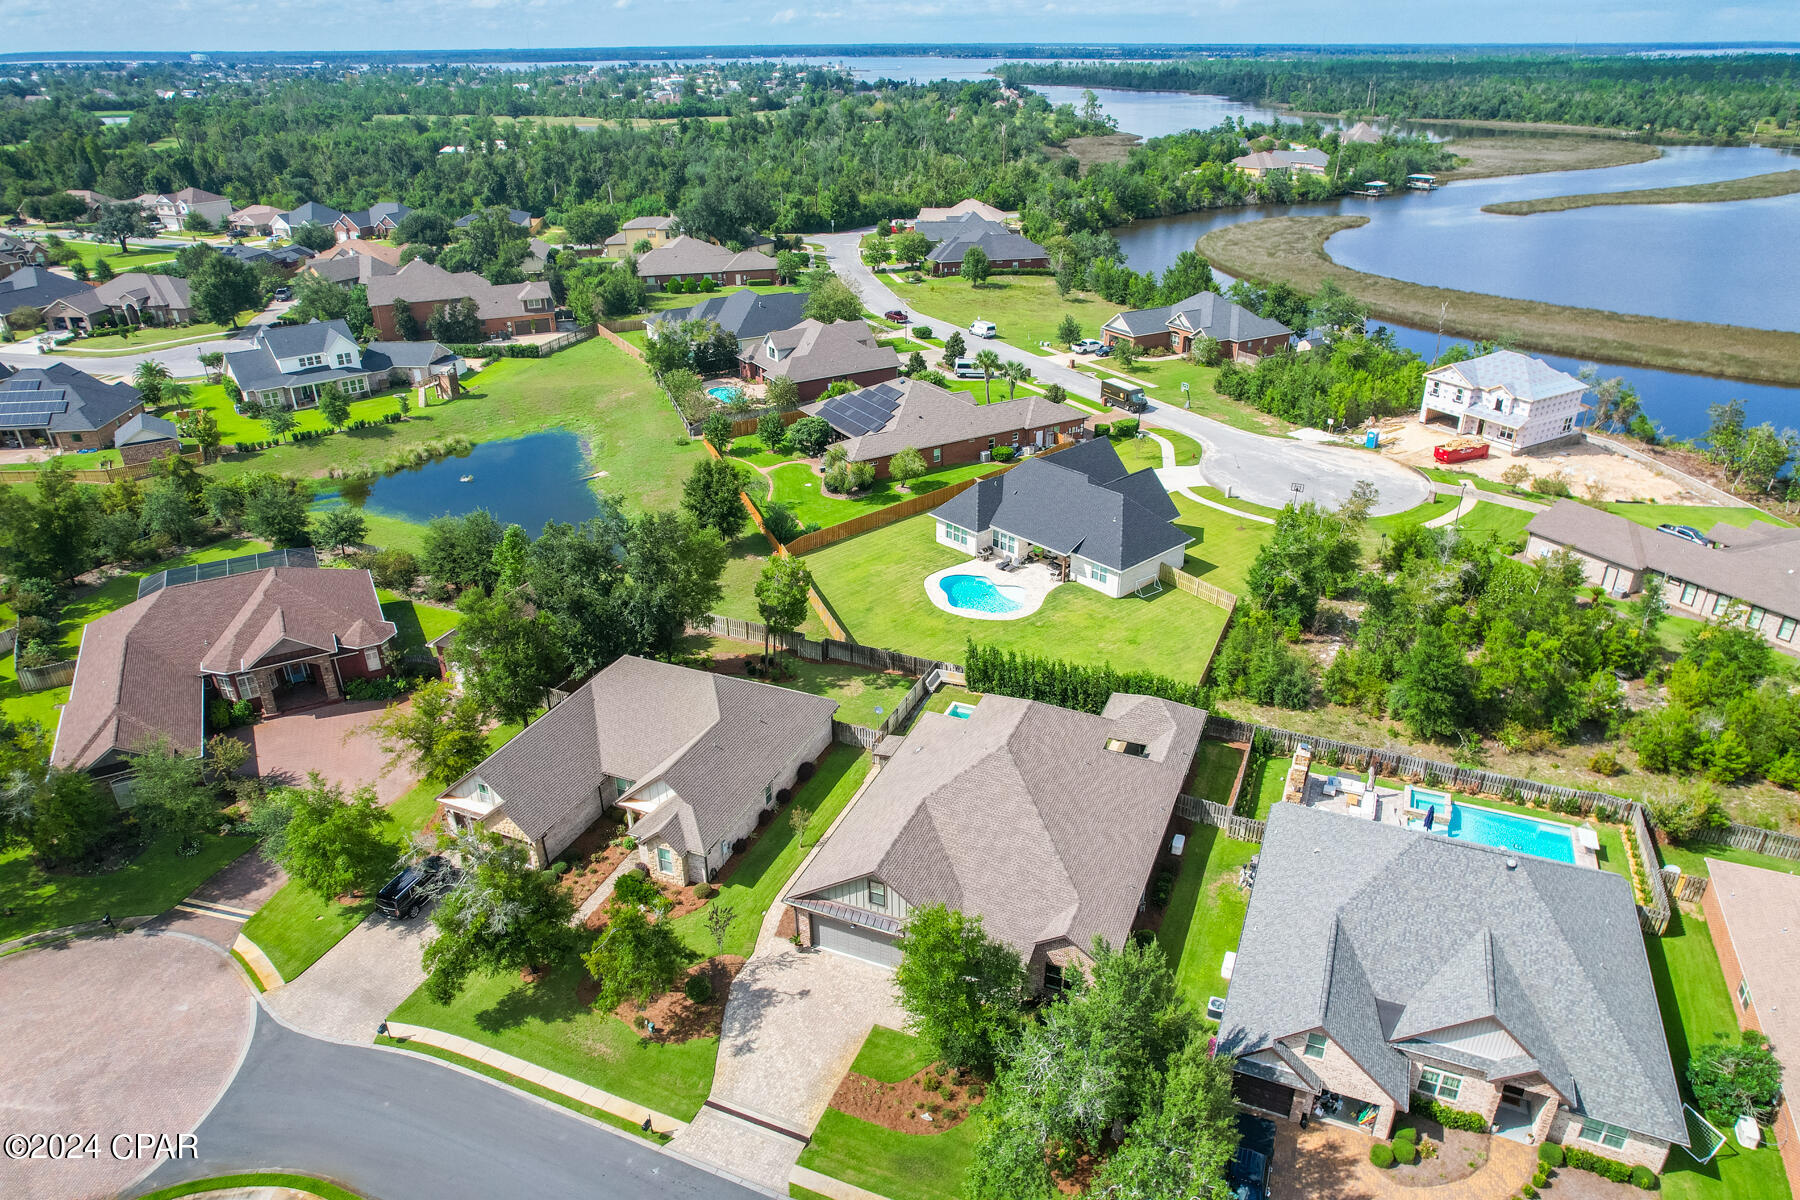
x: 1034, y: 580
x: 1355, y: 797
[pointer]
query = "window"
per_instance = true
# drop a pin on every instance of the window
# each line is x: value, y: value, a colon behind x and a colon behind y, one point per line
x: 372, y: 658
x: 1719, y: 602
x: 877, y: 895
x: 1599, y: 1132
x: 1786, y: 630
x: 665, y: 860
x: 312, y: 360
x: 954, y: 533
x: 1315, y: 1045
x: 356, y: 387
x: 937, y: 454
x: 343, y: 360
x: 1688, y: 592
x: 1568, y: 424
x: 1053, y: 977
x: 623, y: 785
x: 1755, y: 619
x: 75, y: 437
x: 223, y: 683
x: 1743, y: 993
x: 990, y: 443
x: 1434, y: 387
x: 1441, y: 1084
x: 1097, y: 573
x: 247, y: 687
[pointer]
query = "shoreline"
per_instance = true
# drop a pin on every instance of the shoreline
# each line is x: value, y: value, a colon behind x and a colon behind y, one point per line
x: 1751, y: 187
x: 1292, y: 250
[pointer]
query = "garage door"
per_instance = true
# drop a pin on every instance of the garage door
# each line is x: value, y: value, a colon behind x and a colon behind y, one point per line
x: 1262, y: 1094
x: 842, y: 938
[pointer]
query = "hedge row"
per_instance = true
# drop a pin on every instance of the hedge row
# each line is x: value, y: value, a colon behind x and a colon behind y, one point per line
x: 498, y: 350
x: 1450, y: 1118
x: 1068, y: 685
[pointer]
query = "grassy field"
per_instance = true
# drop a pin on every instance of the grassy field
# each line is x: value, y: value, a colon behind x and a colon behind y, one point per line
x: 875, y: 584
x: 1214, y: 776
x: 1025, y: 307
x: 750, y: 449
x: 859, y: 693
x: 235, y: 427
x: 1162, y: 379
x: 1265, y: 780
x: 1508, y: 524
x: 1226, y: 546
x: 1754, y: 187
x: 776, y: 854
x: 1702, y: 516
x: 797, y: 486
x: 663, y: 301
x: 280, y: 1181
x: 1485, y: 157
x: 150, y: 336
x: 37, y: 899
x: 1205, y: 917
x: 1292, y: 250
x: 138, y: 256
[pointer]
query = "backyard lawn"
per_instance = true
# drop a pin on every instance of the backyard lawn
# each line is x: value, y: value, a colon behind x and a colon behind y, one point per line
x: 663, y: 301
x: 1226, y: 546
x: 1025, y: 307
x: 750, y: 449
x: 150, y: 883
x: 1507, y: 524
x: 800, y: 488
x: 419, y: 623
x: 42, y: 709
x: 858, y: 691
x: 1214, y: 775
x: 1264, y: 781
x: 1205, y: 917
x: 875, y: 584
x: 1692, y: 859
x: 1702, y: 517
x: 235, y: 427
x: 752, y: 885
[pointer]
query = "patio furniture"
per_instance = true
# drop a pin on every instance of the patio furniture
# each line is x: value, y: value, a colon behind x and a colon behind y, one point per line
x: 1230, y: 962
x: 1177, y: 844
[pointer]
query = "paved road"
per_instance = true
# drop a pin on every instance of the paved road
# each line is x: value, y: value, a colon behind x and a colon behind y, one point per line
x: 183, y: 361
x: 390, y: 1126
x: 1253, y: 466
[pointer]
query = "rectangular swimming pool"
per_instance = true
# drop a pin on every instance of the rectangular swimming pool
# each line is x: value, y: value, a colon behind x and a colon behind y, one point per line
x: 1490, y: 827
x: 960, y: 710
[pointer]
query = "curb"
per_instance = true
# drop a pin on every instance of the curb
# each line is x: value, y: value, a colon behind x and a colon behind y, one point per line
x: 266, y: 972
x: 122, y: 925
x: 826, y: 1185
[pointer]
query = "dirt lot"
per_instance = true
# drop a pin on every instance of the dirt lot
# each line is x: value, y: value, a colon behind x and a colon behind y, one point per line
x: 1582, y: 464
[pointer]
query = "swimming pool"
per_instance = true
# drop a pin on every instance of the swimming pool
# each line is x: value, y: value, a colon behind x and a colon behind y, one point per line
x: 960, y: 710
x: 972, y: 593
x: 724, y: 393
x: 1490, y: 827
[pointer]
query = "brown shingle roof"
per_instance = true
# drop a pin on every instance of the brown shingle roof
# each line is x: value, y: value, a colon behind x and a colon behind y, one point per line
x: 1762, y: 919
x: 930, y: 416
x: 419, y: 281
x: 813, y: 350
x: 691, y: 256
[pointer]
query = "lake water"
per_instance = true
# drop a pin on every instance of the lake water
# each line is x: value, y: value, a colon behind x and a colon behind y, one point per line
x: 523, y: 481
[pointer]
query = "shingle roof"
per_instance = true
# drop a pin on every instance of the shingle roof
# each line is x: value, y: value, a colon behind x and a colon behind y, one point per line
x: 351, y: 268
x: 259, y: 368
x: 368, y: 218
x: 138, y: 675
x: 1353, y: 923
x: 926, y: 415
x: 648, y: 223
x: 311, y: 213
x: 1078, y: 501
x: 1206, y: 313
x: 420, y: 281
x: 958, y: 235
x: 517, y: 216
x: 744, y: 314
x: 1281, y: 160
x: 813, y: 350
x: 1758, y: 566
x: 691, y: 256
x: 145, y: 428
x: 979, y: 208
x: 36, y: 286
x: 83, y: 403
x: 1020, y: 814
x: 715, y: 739
x: 380, y: 356
x: 138, y: 288
x: 1762, y: 921
x: 1524, y: 377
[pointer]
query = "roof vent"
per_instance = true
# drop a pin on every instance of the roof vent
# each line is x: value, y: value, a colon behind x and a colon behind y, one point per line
x: 1511, y: 862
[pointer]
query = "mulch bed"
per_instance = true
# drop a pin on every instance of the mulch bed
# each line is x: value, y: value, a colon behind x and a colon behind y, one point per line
x: 903, y: 1106
x: 676, y: 1018
x: 1454, y: 1155
x: 592, y: 858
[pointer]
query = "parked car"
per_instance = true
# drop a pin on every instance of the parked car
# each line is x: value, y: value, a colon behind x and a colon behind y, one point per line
x: 1248, y: 1176
x: 984, y: 329
x: 402, y: 895
x: 284, y: 293
x: 897, y: 316
x: 1103, y: 352
x: 1686, y: 533
x: 965, y: 368
x: 1087, y: 346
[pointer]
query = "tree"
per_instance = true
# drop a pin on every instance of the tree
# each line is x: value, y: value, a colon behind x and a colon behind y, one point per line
x: 589, y: 224
x: 334, y: 406
x: 1185, y: 1144
x: 954, y: 346
x: 406, y: 325
x: 510, y: 558
x: 53, y: 536
x: 26, y: 317
x: 990, y: 364
x: 456, y: 323
x: 313, y: 236
x: 809, y: 435
x: 339, y: 526
x: 440, y: 734
x: 223, y: 500
x: 1729, y: 1080
x: 1311, y: 553
x: 711, y: 494
x: 717, y: 430
x: 502, y: 915
x: 1335, y: 309
x: 319, y: 299
x: 1434, y: 691
x: 278, y: 417
x: 122, y: 222
x: 510, y: 654
x: 635, y: 958
x: 911, y: 247
x: 70, y: 818
x: 103, y: 270
x: 771, y: 431
x: 423, y: 228
x: 275, y: 510
x: 781, y: 596
x: 169, y: 511
x: 214, y: 362
x: 172, y: 797
x: 876, y: 254
x: 223, y: 287
x: 781, y: 394
x: 962, y: 990
x: 906, y: 466
x: 975, y: 266
x: 1068, y: 330
x: 333, y: 845
x: 149, y: 379
x: 1188, y: 275
x: 1016, y: 373
x: 832, y: 300
x: 459, y: 551
x: 672, y: 568
x: 721, y: 917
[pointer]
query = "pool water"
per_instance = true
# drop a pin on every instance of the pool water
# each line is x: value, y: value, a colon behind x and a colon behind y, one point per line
x: 960, y: 710
x: 975, y: 594
x: 724, y: 393
x: 1472, y: 823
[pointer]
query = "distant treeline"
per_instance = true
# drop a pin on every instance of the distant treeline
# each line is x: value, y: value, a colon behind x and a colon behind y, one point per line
x: 1715, y: 98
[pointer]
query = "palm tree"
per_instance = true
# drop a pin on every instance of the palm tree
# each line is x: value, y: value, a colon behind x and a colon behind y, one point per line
x: 990, y: 365
x: 1016, y: 373
x: 149, y: 379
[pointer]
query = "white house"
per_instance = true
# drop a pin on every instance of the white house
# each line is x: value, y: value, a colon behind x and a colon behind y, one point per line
x: 1098, y: 526
x: 289, y: 365
x: 1517, y: 402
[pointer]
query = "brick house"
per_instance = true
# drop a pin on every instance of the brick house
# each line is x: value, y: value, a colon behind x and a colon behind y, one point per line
x: 1241, y: 334
x: 694, y: 759
x: 348, y: 269
x: 379, y: 220
x: 282, y: 225
x: 1045, y: 822
x: 505, y: 309
x: 18, y: 252
x: 947, y: 428
x: 955, y: 236
x: 1379, y: 961
x: 134, y: 298
x: 691, y: 258
x: 815, y: 355
x: 144, y: 438
x: 34, y: 287
x: 62, y: 409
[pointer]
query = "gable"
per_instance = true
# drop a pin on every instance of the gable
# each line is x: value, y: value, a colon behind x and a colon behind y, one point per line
x: 1486, y: 1038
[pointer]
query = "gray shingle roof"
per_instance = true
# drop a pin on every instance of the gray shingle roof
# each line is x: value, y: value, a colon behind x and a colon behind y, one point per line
x: 1525, y: 377
x: 744, y: 314
x: 1205, y: 313
x: 1078, y: 501
x: 84, y: 403
x: 368, y: 218
x: 517, y: 216
x: 145, y: 428
x: 1020, y: 814
x: 958, y: 235
x: 380, y: 356
x: 311, y: 213
x: 928, y: 416
x: 813, y: 350
x: 1352, y: 923
x: 36, y: 286
x: 258, y: 368
x: 691, y: 256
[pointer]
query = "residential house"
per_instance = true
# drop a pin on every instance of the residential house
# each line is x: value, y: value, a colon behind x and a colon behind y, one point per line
x: 95, y: 201
x: 694, y: 759
x: 290, y: 364
x: 954, y: 237
x: 347, y: 270
x: 285, y: 258
x: 1044, y: 822
x: 20, y: 252
x: 376, y: 221
x: 1104, y: 528
x: 539, y: 254
x: 505, y: 309
x: 1264, y: 163
x: 658, y: 231
x: 282, y: 637
x: 173, y: 209
x: 816, y: 355
x: 964, y: 208
x: 1745, y: 575
x: 1378, y: 961
x: 134, y: 298
x: 1518, y: 402
x: 34, y: 287
x: 743, y: 314
x: 63, y: 409
x: 1241, y: 334
x: 517, y: 216
x: 1362, y: 131
x: 1752, y: 914
x: 144, y: 438
x: 282, y: 225
x: 254, y: 218
x: 947, y: 428
x: 691, y: 258
x: 385, y: 251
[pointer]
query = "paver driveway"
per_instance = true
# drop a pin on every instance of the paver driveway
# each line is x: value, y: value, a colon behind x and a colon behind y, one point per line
x: 138, y: 1033
x: 334, y: 740
x: 358, y: 982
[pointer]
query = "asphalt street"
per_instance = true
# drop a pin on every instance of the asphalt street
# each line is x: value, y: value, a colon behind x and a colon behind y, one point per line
x: 390, y: 1126
x: 183, y: 361
x: 1256, y: 467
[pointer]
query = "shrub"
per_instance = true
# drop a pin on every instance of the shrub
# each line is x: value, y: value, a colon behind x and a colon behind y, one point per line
x: 921, y: 332
x: 705, y: 891
x: 35, y: 628
x: 1551, y: 485
x: 559, y: 868
x: 1126, y: 428
x: 1529, y: 1192
x: 1381, y: 1154
x: 1643, y: 1177
x: 1102, y: 429
x: 1606, y: 763
x: 1541, y: 1176
x: 384, y: 688
x: 243, y: 712
x: 1443, y: 1114
x: 1405, y: 1153
x: 698, y: 988
x: 1407, y: 1133
x: 218, y: 713
x: 805, y: 771
x: 1551, y: 1154
x: 1003, y: 454
x: 931, y: 1083
x: 394, y: 570
x: 1597, y: 1164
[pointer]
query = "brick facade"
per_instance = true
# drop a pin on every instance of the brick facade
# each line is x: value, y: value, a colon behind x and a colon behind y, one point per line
x: 142, y: 452
x: 994, y: 264
x: 812, y: 389
x: 970, y: 449
x: 1639, y: 1151
x: 1178, y: 342
x: 1339, y: 1072
x: 519, y: 323
x: 98, y: 439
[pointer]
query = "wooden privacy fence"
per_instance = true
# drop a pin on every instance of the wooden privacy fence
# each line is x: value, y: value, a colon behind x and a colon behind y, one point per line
x: 37, y: 679
x: 1654, y: 916
x: 1193, y: 585
x: 100, y: 474
x: 1749, y: 837
x: 912, y: 506
x: 1242, y: 829
x: 1690, y: 887
x: 873, y: 658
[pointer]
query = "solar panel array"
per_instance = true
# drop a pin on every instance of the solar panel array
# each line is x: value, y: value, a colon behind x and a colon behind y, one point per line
x: 27, y: 404
x: 243, y: 564
x: 857, y: 413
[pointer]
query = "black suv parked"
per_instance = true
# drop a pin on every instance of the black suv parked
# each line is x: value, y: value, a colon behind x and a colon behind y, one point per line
x: 412, y: 887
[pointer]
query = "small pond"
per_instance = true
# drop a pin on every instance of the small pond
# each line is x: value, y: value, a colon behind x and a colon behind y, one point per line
x: 524, y: 481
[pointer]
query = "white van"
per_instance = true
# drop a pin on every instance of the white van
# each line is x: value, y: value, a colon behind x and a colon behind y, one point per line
x: 984, y: 329
x: 966, y: 369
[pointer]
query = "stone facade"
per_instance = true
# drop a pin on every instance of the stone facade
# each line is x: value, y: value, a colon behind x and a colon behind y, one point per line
x: 134, y: 453
x: 1339, y: 1072
x: 1639, y: 1151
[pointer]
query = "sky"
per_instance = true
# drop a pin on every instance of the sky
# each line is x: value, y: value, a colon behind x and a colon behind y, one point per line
x: 200, y: 25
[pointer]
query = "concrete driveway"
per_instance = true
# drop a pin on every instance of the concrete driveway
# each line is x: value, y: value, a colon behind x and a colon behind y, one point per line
x: 1253, y: 466
x: 334, y: 740
x: 358, y: 982
x: 137, y: 1033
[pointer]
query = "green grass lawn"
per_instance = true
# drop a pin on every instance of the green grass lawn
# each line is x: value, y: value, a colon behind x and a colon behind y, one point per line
x: 1702, y: 517
x: 235, y: 427
x: 1137, y: 453
x: 1692, y: 859
x: 859, y: 692
x: 419, y: 623
x: 750, y: 449
x: 1214, y: 776
x: 1163, y: 378
x: 901, y: 1166
x: 1187, y: 450
x: 875, y: 584
x: 1205, y: 917
x: 663, y: 301
x: 1435, y: 506
x: 148, y: 336
x: 890, y: 1055
x: 307, y: 1185
x: 42, y: 709
x: 1225, y: 547
x: 766, y: 867
x: 150, y: 883
x: 121, y: 590
x: 798, y: 487
x: 1507, y: 524
x: 1265, y: 781
x: 138, y: 256
x: 1025, y: 307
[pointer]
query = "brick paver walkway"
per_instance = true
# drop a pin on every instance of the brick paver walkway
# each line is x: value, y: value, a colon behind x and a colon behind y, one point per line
x: 334, y: 741
x: 1326, y: 1162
